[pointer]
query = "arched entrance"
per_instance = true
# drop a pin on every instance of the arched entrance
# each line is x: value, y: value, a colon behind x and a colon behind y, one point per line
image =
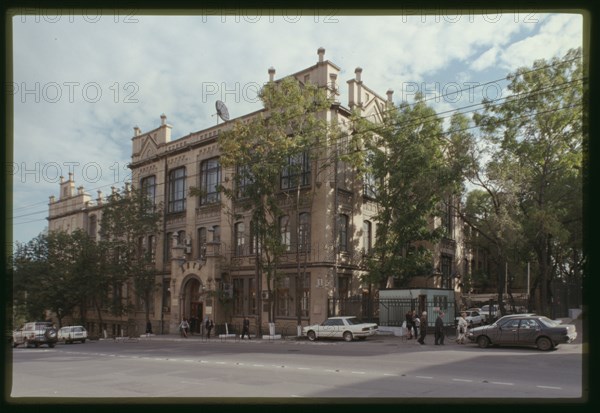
x: 193, y: 307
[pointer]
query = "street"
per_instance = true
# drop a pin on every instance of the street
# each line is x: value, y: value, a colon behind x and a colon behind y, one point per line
x: 381, y: 367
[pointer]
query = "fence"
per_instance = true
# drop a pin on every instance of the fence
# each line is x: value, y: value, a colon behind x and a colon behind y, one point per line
x: 392, y: 312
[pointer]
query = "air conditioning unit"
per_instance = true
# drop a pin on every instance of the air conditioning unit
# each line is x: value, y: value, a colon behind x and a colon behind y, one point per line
x: 265, y: 295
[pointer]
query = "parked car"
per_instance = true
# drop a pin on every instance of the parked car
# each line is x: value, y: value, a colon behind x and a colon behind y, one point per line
x: 485, y: 313
x: 473, y: 318
x: 524, y: 330
x: 35, y: 334
x: 340, y: 327
x: 71, y: 334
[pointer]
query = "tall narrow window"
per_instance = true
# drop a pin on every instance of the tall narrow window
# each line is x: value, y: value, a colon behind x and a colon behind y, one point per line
x: 304, y: 231
x: 367, y: 236
x: 446, y: 271
x: 343, y: 233
x: 369, y: 183
x: 201, y: 243
x: 149, y: 188
x: 296, y: 172
x: 255, y: 242
x: 244, y: 179
x: 210, y: 178
x: 152, y: 248
x: 177, y: 190
x: 216, y: 233
x: 447, y: 221
x: 284, y: 230
x: 239, y: 230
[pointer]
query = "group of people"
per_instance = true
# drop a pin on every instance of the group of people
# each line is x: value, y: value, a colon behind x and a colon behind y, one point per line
x: 417, y: 327
x: 184, y: 327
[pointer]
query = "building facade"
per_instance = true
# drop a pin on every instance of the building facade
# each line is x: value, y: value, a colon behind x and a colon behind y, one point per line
x: 205, y: 256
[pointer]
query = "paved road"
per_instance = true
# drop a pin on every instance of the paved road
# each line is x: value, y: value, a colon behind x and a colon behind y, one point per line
x: 383, y: 367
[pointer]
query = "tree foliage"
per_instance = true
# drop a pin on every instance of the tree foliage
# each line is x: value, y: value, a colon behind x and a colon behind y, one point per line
x: 416, y: 167
x: 277, y: 149
x: 535, y: 138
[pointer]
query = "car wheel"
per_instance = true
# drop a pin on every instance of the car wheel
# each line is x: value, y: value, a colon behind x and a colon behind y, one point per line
x: 483, y: 341
x: 311, y: 335
x: 348, y: 336
x: 544, y: 344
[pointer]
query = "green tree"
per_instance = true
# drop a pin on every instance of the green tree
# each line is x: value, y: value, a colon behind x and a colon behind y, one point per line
x: 128, y: 218
x: 536, y: 135
x: 415, y: 167
x: 275, y: 154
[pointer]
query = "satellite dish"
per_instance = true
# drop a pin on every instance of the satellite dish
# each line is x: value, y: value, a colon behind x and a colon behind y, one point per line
x: 222, y: 111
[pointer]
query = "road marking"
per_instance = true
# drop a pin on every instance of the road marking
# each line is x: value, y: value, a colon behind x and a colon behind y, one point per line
x: 221, y: 362
x: 502, y: 383
x: 331, y: 371
x: 258, y: 365
x: 550, y: 387
x: 357, y: 372
x: 463, y: 380
x: 303, y: 368
x: 389, y: 374
x: 424, y: 377
x: 203, y: 361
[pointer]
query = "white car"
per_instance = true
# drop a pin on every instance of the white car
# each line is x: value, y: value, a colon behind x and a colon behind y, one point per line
x: 347, y: 328
x: 473, y: 318
x: 485, y: 312
x: 71, y: 334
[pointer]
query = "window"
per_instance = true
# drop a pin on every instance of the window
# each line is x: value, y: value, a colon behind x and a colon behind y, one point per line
x: 201, y: 243
x: 288, y: 288
x: 284, y: 298
x: 304, y: 231
x: 210, y: 178
x: 216, y: 233
x: 343, y: 232
x: 152, y: 249
x: 177, y: 190
x: 367, y: 236
x: 239, y: 238
x: 447, y: 222
x: 296, y: 172
x: 244, y: 179
x: 167, y: 245
x: 284, y: 230
x: 255, y: 241
x: 446, y: 271
x: 92, y: 226
x: 369, y: 183
x: 149, y: 188
x: 244, y: 296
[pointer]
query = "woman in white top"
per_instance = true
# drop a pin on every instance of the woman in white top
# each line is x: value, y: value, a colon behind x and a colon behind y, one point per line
x: 461, y: 329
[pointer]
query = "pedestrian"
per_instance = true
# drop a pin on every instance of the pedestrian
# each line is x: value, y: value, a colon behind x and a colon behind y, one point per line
x: 184, y: 327
x: 409, y: 324
x: 148, y: 328
x: 416, y: 321
x: 439, y: 329
x: 423, y: 327
x: 209, y: 326
x: 246, y: 328
x: 461, y: 328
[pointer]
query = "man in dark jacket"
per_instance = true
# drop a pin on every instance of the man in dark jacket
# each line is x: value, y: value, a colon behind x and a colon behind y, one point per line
x: 423, y: 328
x: 439, y: 329
x: 246, y: 328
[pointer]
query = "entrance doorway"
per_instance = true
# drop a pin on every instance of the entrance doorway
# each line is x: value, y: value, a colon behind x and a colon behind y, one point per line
x: 196, y: 317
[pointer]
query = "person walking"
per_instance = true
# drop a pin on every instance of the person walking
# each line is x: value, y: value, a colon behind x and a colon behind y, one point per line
x: 209, y: 326
x: 461, y: 328
x: 409, y: 324
x: 148, y: 328
x: 416, y: 322
x: 246, y: 328
x: 184, y: 327
x: 423, y: 328
x: 439, y: 329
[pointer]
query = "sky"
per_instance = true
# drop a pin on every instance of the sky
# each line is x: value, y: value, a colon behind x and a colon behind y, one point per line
x: 82, y: 82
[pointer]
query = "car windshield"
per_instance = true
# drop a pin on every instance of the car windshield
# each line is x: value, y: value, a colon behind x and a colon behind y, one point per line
x: 549, y: 323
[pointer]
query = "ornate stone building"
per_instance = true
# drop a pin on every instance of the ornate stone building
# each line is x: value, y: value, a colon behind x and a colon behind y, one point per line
x: 205, y: 255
